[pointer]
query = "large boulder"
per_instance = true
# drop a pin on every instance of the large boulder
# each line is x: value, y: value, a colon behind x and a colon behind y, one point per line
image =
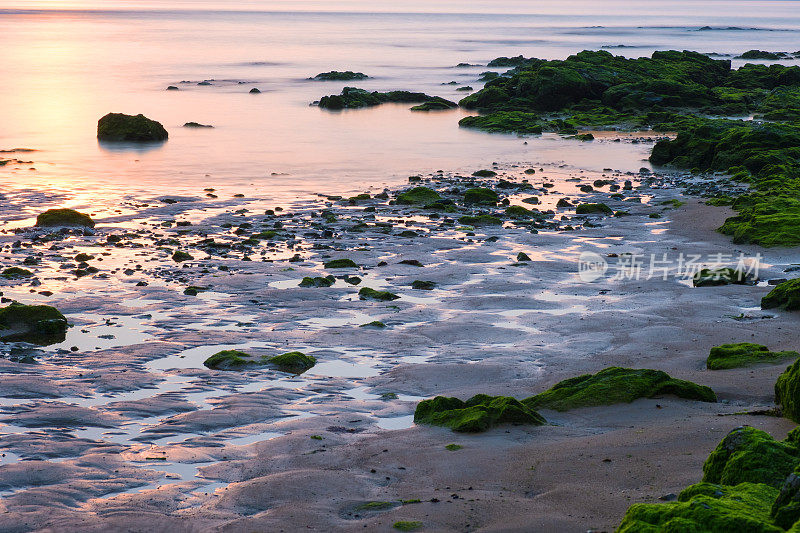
x: 37, y: 324
x: 63, y: 217
x: 118, y: 127
x: 784, y: 296
x: 479, y: 413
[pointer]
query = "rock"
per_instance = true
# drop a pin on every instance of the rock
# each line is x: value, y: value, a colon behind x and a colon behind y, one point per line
x: 384, y: 296
x: 744, y: 354
x: 16, y: 272
x: 418, y: 196
x: 335, y: 75
x: 786, y: 508
x: 196, y: 125
x: 616, y: 385
x: 229, y: 360
x: 172, y: 88
x: 118, y: 127
x: 588, y: 209
x: 479, y: 413
x: 480, y: 220
x: 481, y: 196
x: 522, y: 256
x: 423, y: 285
x: 719, y: 276
x: 181, y: 256
x: 785, y: 296
x: 787, y: 392
x: 341, y: 263
x: 63, y: 218
x: 254, y: 90
x: 327, y: 281
x: 293, y: 362
x: 484, y: 173
x: 37, y: 324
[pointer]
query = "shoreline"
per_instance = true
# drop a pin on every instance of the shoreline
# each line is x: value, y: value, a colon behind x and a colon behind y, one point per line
x: 451, y: 342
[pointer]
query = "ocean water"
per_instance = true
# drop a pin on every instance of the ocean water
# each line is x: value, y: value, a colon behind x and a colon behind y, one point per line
x: 65, y: 64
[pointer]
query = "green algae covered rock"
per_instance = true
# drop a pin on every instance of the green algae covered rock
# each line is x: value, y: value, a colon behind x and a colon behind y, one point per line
x: 181, y: 256
x: 63, y: 217
x: 481, y: 196
x: 786, y: 508
x: 479, y: 413
x: 616, y: 385
x: 708, y: 277
x: 707, y: 508
x: 749, y: 455
x: 354, y: 98
x: 318, y: 281
x: 440, y: 104
x: 418, y: 196
x: 588, y: 209
x: 787, y: 392
x: 335, y: 75
x: 784, y: 296
x: 16, y: 272
x: 37, y: 324
x: 293, y: 362
x: 407, y: 525
x: 505, y: 122
x: 480, y: 220
x: 118, y: 127
x: 423, y: 285
x: 744, y: 354
x: 341, y: 263
x: 517, y: 211
x: 371, y: 294
x: 229, y: 360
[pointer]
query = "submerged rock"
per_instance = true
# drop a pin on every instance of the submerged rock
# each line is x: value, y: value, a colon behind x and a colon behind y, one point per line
x: 117, y: 127
x: 616, y: 385
x: 16, y: 272
x: 353, y: 98
x: 744, y: 354
x: 784, y: 296
x: 479, y: 413
x: 37, y: 324
x: 63, y: 217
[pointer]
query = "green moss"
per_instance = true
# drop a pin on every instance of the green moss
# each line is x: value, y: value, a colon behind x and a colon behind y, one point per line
x: 63, y: 217
x: 229, y: 360
x: 335, y: 75
x: 586, y: 209
x: 453, y: 447
x: 37, y: 324
x: 376, y: 506
x: 744, y: 354
x: 407, y: 525
x: 787, y: 391
x: 480, y: 220
x: 293, y: 362
x: 707, y: 508
x: 423, y: 285
x: 440, y: 104
x: 750, y: 455
x: 517, y: 211
x: 327, y: 281
x: 117, y: 127
x: 784, y: 296
x: 384, y: 296
x: 16, y: 272
x: 181, y: 256
x: 505, y: 122
x: 479, y: 413
x: 707, y: 277
x: 194, y: 290
x: 353, y: 98
x: 522, y: 256
x: 484, y: 173
x: 418, y: 196
x: 481, y: 196
x: 786, y: 508
x: 373, y: 324
x: 616, y: 385
x: 341, y: 263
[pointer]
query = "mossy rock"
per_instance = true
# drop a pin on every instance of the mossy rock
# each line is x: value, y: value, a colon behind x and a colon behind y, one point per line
x: 327, y: 281
x: 523, y: 257
x: 16, y: 272
x: 418, y: 196
x: 293, y: 362
x: 749, y: 455
x: 374, y: 324
x: 589, y: 209
x: 335, y: 75
x: 371, y: 294
x: 435, y: 105
x: 479, y: 413
x: 481, y: 196
x: 517, y: 211
x: 485, y: 173
x: 616, y: 385
x: 786, y: 508
x: 194, y: 290
x: 423, y: 285
x: 64, y: 217
x: 707, y: 508
x: 787, y: 392
x: 341, y: 263
x: 407, y: 525
x: 744, y: 354
x: 708, y: 277
x: 784, y: 296
x: 118, y: 127
x: 36, y: 324
x: 480, y: 220
x: 181, y: 256
x: 229, y: 360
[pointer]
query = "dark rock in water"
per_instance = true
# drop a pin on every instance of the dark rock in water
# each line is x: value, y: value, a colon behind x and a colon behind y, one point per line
x: 16, y: 272
x: 255, y: 90
x: 341, y: 263
x: 353, y: 98
x: 423, y: 285
x: 172, y: 88
x: 118, y: 127
x: 63, y: 217
x: 371, y: 294
x: 181, y: 256
x: 327, y: 281
x: 37, y: 324
x: 196, y: 125
x: 784, y: 296
x: 418, y: 196
x: 479, y: 413
x: 744, y: 354
x: 435, y: 105
x: 335, y: 75
x: 411, y: 262
x: 720, y: 276
x: 616, y: 385
x: 587, y: 209
x: 480, y: 195
x: 761, y: 54
x: 229, y: 360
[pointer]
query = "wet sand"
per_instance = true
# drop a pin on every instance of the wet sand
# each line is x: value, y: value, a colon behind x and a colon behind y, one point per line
x: 131, y: 432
